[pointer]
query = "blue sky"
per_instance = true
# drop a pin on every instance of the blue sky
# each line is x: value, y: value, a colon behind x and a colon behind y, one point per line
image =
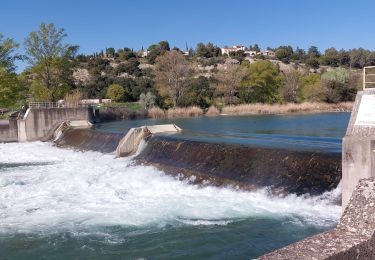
x: 95, y: 24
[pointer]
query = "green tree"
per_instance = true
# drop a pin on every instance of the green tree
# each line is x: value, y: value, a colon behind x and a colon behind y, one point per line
x: 157, y: 50
x: 312, y: 89
x: 343, y: 57
x: 312, y: 57
x: 39, y: 92
x: 126, y: 54
x: 261, y: 83
x: 284, y: 53
x: 358, y: 57
x: 51, y: 59
x: 200, y: 93
x: 115, y: 92
x: 110, y: 52
x: 11, y: 91
x: 337, y: 87
x: 164, y: 46
x: 238, y: 55
x: 298, y: 55
x: 7, y: 55
x: 313, y: 63
x: 331, y: 57
x: 254, y: 47
x: 313, y: 52
x: 207, y: 51
x: 130, y: 67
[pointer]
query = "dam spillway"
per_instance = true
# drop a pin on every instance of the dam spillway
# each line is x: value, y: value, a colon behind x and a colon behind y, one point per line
x: 283, y: 171
x: 75, y: 201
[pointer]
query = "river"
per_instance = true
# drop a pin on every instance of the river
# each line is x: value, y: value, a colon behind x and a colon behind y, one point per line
x: 64, y: 204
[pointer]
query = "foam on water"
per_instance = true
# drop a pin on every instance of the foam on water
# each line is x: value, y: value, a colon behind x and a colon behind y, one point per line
x: 58, y: 189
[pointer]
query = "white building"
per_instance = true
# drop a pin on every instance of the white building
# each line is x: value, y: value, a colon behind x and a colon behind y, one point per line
x: 144, y: 53
x: 268, y: 53
x: 251, y: 53
x: 227, y: 50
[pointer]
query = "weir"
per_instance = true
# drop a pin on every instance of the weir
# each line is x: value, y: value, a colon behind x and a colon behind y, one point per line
x: 88, y: 139
x: 283, y: 171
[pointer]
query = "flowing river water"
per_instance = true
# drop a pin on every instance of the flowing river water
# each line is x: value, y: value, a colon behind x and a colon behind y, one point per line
x: 65, y: 204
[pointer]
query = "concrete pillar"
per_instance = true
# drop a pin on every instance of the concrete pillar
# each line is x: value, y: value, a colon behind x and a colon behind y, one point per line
x: 358, y: 151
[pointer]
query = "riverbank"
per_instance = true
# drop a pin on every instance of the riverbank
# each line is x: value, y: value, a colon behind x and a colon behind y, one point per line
x: 119, y: 113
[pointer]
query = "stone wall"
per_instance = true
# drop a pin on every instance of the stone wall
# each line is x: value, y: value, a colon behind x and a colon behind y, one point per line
x: 8, y: 131
x: 353, y: 238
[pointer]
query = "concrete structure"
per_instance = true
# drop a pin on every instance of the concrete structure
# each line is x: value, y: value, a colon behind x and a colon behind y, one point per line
x: 353, y: 238
x: 8, y: 131
x: 92, y: 101
x: 358, y: 155
x: 56, y: 134
x: 129, y: 144
x: 38, y: 123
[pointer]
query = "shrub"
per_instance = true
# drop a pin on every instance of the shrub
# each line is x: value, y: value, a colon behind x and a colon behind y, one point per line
x: 115, y: 92
x: 184, y: 112
x: 212, y: 111
x: 156, y: 112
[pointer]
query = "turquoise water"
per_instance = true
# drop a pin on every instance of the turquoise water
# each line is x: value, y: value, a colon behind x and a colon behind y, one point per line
x: 321, y: 132
x: 64, y: 204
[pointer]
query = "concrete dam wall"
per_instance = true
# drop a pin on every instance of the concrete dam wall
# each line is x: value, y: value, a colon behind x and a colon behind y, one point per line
x: 9, y: 131
x: 38, y: 123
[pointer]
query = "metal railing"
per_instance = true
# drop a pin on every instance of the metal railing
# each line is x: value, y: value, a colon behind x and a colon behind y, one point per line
x: 368, y: 77
x: 56, y: 105
x: 63, y: 103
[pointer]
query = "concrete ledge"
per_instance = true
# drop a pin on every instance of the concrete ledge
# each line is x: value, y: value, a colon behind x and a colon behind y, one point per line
x: 353, y: 238
x: 129, y: 144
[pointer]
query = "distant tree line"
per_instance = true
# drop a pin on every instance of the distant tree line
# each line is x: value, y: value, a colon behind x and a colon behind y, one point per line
x: 167, y: 77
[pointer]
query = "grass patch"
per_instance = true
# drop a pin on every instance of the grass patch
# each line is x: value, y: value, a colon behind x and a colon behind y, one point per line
x: 132, y: 106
